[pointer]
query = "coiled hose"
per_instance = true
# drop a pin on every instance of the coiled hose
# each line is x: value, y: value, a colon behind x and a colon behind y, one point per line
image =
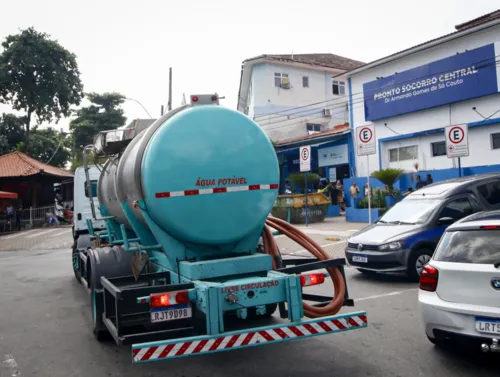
x: 271, y: 248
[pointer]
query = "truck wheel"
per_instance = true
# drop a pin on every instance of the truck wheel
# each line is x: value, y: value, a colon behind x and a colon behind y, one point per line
x: 418, y: 259
x: 76, y: 263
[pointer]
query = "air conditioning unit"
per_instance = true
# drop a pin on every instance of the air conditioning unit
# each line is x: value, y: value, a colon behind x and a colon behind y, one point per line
x: 285, y: 83
x: 327, y: 112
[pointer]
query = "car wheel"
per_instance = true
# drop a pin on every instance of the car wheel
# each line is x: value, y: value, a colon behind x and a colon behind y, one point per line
x: 367, y: 272
x: 418, y: 259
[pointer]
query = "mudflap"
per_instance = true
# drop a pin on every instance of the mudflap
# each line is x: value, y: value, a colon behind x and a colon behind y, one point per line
x: 283, y: 332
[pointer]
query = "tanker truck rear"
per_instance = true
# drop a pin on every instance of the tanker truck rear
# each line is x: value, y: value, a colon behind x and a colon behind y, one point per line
x: 187, y: 264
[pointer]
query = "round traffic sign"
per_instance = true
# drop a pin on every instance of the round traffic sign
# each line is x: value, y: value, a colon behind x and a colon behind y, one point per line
x: 456, y: 135
x: 305, y: 154
x: 365, y: 135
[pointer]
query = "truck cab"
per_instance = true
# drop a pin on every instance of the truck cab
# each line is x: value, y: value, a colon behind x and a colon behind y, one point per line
x: 82, y: 209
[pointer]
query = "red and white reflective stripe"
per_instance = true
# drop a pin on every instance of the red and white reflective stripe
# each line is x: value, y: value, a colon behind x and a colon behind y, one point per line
x: 215, y: 190
x: 231, y: 342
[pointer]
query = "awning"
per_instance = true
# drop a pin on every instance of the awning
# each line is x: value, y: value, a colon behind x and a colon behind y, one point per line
x: 8, y: 195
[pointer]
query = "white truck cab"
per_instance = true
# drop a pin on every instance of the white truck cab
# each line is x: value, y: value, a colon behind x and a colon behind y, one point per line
x: 82, y: 210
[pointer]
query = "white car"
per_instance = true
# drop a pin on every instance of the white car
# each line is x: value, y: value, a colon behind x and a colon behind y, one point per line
x: 459, y: 295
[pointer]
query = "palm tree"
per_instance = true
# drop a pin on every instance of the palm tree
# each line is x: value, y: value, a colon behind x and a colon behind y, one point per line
x: 388, y: 177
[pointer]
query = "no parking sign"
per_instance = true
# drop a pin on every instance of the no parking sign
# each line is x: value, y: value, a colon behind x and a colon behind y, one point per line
x: 457, y: 141
x: 365, y: 136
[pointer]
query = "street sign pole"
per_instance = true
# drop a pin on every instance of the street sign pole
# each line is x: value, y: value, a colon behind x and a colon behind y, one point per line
x: 369, y: 189
x: 366, y: 146
x: 305, y: 166
x: 307, y: 204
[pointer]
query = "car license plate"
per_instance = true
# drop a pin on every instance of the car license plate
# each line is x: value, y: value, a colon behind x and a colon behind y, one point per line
x: 171, y: 314
x: 360, y: 258
x: 488, y: 325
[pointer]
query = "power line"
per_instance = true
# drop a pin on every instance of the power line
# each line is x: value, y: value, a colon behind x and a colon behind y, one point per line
x: 285, y: 112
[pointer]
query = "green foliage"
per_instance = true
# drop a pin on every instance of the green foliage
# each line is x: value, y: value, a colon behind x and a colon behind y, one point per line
x: 377, y: 200
x: 299, y: 179
x: 39, y: 76
x: 11, y: 132
x: 49, y: 146
x: 388, y: 177
x: 104, y: 113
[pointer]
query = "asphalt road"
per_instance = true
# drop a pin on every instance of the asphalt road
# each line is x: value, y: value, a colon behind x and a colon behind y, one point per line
x: 45, y: 328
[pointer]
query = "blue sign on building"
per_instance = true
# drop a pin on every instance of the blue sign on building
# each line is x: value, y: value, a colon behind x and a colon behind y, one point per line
x: 460, y: 77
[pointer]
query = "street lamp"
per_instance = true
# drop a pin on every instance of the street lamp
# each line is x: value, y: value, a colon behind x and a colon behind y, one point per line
x: 131, y: 99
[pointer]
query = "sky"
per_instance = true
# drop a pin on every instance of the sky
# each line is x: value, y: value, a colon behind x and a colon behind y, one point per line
x: 128, y: 46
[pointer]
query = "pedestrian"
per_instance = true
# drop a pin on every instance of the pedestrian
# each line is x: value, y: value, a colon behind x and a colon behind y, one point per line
x: 354, y: 192
x: 428, y: 179
x: 367, y: 190
x: 19, y: 212
x: 420, y: 183
x: 340, y: 195
x: 51, y: 218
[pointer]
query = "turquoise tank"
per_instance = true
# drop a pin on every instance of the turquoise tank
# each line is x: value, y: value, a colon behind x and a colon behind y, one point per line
x: 205, y: 174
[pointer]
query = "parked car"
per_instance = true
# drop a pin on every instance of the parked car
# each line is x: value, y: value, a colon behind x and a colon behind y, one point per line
x: 405, y: 237
x: 459, y: 294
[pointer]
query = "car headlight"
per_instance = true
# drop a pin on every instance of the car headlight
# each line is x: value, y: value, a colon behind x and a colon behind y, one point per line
x: 391, y: 246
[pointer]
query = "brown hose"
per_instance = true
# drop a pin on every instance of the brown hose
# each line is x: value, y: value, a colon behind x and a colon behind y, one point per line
x: 271, y: 248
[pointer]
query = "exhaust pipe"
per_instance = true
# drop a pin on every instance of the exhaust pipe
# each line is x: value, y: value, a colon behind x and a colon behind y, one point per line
x: 495, y: 346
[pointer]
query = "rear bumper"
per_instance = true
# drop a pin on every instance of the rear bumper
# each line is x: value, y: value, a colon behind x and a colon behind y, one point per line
x: 382, y: 261
x: 190, y: 346
x: 443, y: 319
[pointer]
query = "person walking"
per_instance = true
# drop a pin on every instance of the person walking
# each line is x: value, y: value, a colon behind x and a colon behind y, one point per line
x: 420, y: 183
x: 354, y: 192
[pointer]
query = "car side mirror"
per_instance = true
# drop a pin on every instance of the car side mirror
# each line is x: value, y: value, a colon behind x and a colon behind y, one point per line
x: 446, y: 221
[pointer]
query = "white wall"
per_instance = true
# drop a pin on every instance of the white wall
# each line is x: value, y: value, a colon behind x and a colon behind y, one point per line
x: 266, y: 98
x: 431, y: 118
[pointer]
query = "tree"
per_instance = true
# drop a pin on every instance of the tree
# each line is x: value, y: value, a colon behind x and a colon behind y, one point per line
x: 104, y: 113
x: 49, y: 146
x: 388, y: 177
x: 39, y: 76
x: 11, y: 132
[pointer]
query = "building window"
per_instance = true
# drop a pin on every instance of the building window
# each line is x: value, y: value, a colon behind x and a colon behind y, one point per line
x: 338, y: 87
x: 278, y: 79
x: 305, y: 81
x: 313, y: 127
x: 438, y: 149
x: 495, y: 141
x: 403, y: 153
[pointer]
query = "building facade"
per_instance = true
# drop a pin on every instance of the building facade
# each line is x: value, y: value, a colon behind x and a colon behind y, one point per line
x: 413, y: 95
x: 292, y: 96
x: 297, y: 101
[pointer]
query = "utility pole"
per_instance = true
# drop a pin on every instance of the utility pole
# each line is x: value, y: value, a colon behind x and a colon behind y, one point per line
x: 170, y: 89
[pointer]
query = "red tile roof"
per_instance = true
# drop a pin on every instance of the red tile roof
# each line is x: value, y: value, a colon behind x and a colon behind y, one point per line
x: 17, y: 164
x: 335, y: 130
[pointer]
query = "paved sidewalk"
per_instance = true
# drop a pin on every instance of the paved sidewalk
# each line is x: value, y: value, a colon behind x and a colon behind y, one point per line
x: 38, y: 239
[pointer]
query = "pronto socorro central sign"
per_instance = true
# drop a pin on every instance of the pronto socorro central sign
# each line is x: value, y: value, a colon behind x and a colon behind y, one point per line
x: 468, y: 75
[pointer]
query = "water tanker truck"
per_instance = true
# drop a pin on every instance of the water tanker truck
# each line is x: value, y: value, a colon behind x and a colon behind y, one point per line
x: 187, y: 263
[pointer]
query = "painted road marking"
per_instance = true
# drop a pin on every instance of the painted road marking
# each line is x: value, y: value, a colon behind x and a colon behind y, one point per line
x: 17, y: 234
x: 325, y: 245
x: 43, y: 232
x: 395, y: 293
x: 60, y: 233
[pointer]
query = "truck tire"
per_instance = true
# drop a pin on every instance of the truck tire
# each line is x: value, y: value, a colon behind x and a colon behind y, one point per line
x: 416, y: 261
x: 110, y: 262
x: 83, y: 242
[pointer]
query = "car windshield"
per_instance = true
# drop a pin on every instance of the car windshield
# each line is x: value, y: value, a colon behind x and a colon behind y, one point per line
x: 410, y: 211
x: 469, y: 246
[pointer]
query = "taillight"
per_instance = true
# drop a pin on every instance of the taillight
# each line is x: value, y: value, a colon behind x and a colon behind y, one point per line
x: 312, y: 279
x: 429, y: 279
x: 159, y: 300
x: 490, y: 227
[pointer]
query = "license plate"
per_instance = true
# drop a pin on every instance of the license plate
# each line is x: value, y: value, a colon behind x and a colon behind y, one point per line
x: 359, y: 258
x: 488, y: 325
x: 171, y: 314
